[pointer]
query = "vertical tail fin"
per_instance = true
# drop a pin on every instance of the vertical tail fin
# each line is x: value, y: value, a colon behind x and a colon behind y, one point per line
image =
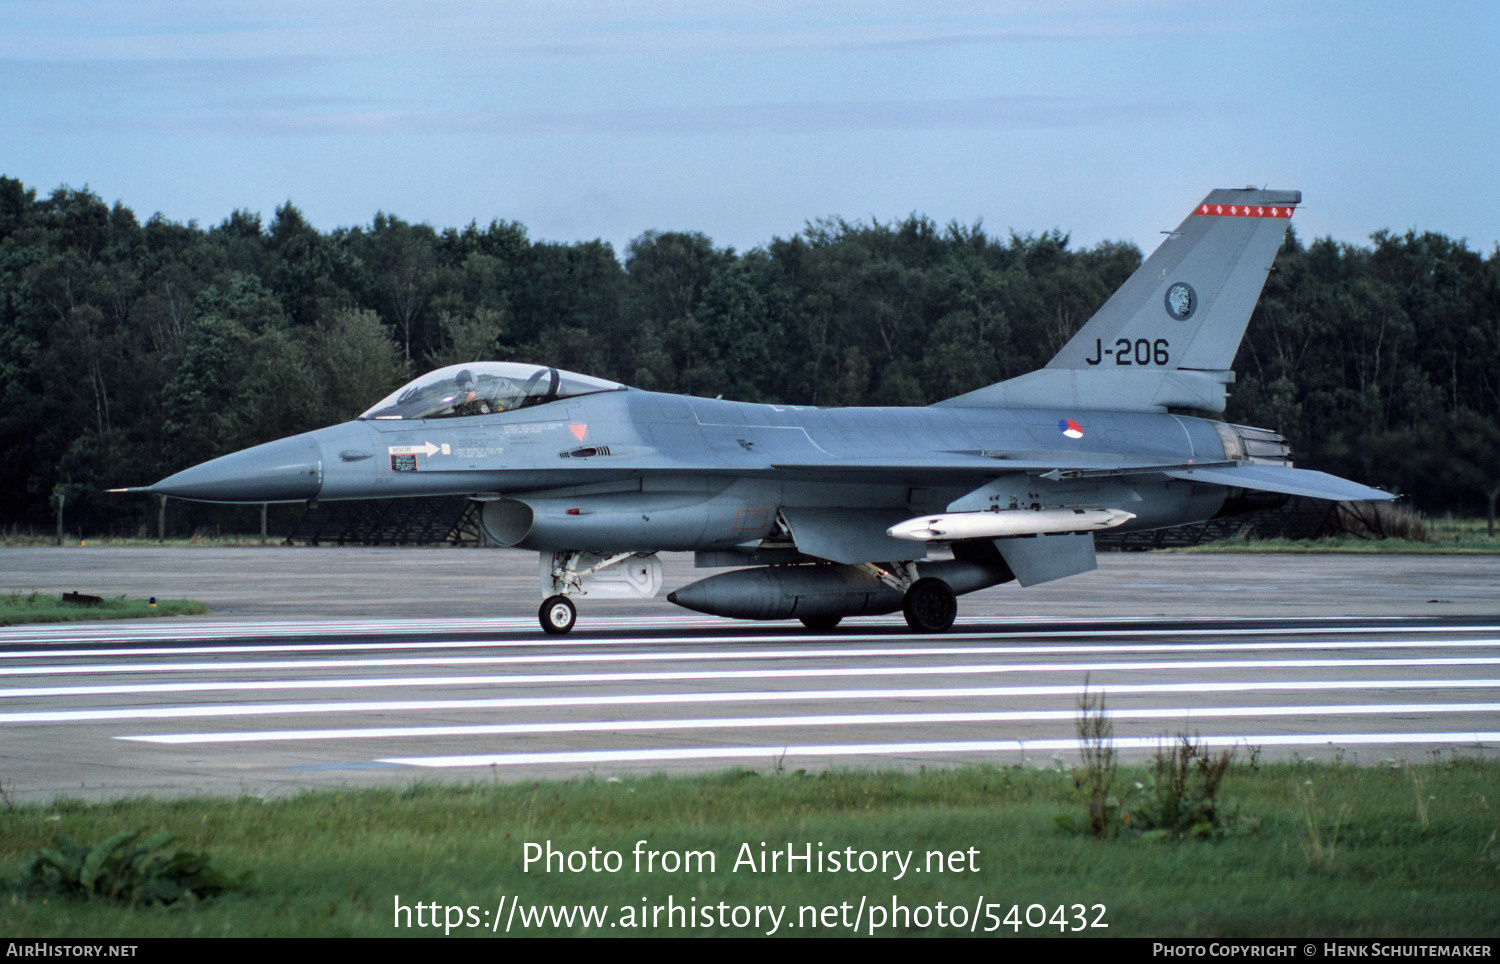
x: 1168, y: 336
x: 1195, y: 292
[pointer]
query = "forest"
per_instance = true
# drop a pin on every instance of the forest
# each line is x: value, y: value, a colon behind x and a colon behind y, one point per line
x: 130, y: 349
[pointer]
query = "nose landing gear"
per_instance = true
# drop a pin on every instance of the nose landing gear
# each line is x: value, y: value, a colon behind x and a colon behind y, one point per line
x: 558, y: 614
x: 620, y: 575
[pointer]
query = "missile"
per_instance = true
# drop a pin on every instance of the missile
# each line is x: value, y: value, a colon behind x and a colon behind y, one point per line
x: 1008, y: 522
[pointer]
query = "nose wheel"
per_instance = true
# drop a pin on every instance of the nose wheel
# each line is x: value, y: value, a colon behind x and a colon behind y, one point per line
x: 558, y: 614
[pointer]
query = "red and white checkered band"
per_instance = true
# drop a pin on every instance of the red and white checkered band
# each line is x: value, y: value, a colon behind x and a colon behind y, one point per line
x: 1245, y: 210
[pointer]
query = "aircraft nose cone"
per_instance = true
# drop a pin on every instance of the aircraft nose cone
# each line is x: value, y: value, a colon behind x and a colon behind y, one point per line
x: 287, y: 470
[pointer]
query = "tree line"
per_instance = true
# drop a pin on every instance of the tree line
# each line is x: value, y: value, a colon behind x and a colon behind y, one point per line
x: 130, y: 350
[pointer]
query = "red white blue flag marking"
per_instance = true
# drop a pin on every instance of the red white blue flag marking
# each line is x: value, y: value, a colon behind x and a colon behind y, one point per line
x: 1070, y: 428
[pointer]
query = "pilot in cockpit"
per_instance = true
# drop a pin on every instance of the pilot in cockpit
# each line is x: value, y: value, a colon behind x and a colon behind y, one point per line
x: 483, y: 388
x: 467, y: 400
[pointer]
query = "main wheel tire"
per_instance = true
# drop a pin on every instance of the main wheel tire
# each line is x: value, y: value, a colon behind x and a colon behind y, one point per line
x: 930, y: 606
x: 558, y: 614
x: 820, y: 624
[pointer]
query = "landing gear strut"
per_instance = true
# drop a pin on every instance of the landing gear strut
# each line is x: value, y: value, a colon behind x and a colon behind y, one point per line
x: 620, y: 575
x: 930, y: 606
x: 558, y: 614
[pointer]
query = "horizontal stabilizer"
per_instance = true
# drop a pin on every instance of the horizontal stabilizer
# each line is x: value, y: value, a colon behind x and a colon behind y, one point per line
x: 1286, y: 480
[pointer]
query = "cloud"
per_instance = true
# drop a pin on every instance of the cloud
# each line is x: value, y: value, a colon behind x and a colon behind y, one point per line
x: 299, y: 116
x: 958, y: 113
x: 73, y: 30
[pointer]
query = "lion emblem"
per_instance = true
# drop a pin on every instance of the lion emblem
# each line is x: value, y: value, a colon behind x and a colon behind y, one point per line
x: 1181, y: 300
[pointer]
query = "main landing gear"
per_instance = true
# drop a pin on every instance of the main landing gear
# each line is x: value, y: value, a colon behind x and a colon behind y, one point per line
x: 930, y: 606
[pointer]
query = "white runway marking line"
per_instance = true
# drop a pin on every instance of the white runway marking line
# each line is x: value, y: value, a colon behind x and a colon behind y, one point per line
x: 342, y: 627
x: 384, y: 662
x: 273, y: 630
x: 388, y: 662
x: 178, y: 628
x: 762, y: 696
x: 833, y: 720
x: 688, y: 675
x: 784, y: 752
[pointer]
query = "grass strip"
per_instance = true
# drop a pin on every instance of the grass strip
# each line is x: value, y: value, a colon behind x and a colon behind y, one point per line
x: 1347, y: 545
x: 35, y: 607
x: 1328, y: 850
x: 1436, y: 536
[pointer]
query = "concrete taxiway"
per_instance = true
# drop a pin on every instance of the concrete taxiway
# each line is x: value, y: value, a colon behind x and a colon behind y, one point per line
x: 365, y: 667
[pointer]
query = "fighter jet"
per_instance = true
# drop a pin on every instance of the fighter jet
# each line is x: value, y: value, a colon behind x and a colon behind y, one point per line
x: 824, y: 513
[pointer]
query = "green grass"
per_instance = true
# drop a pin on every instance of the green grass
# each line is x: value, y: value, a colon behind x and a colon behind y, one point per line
x: 35, y: 607
x: 1440, y: 536
x: 1335, y: 851
x: 28, y: 538
x: 1449, y: 529
x: 1351, y: 544
x: 1344, y: 544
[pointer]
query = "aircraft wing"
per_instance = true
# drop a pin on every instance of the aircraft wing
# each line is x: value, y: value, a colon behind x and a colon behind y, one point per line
x: 1258, y: 476
x: 971, y: 463
x: 936, y: 468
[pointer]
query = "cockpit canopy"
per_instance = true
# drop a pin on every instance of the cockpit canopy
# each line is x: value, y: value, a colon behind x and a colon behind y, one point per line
x: 482, y: 388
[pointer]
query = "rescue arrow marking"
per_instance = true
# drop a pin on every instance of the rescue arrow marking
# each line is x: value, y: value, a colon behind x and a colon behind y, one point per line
x: 426, y: 448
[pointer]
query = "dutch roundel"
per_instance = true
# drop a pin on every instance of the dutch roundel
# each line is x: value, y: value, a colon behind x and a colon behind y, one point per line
x: 1070, y: 428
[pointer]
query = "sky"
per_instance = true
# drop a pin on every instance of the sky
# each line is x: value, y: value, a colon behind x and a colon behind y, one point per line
x: 746, y: 120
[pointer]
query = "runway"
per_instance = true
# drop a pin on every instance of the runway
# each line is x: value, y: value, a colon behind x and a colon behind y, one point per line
x: 233, y: 707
